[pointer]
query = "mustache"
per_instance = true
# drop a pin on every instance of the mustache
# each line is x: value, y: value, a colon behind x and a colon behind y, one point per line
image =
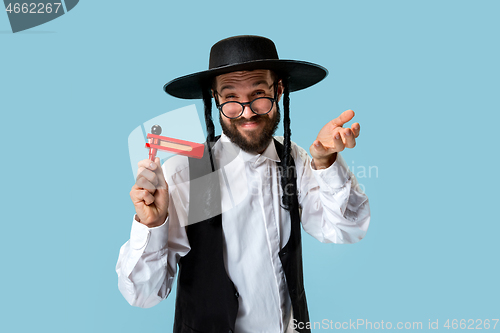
x: 241, y: 121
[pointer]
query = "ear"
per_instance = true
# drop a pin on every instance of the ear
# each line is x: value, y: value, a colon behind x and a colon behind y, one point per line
x: 214, y: 95
x: 280, y: 90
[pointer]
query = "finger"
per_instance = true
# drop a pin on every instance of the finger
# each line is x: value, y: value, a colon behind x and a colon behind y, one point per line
x: 320, y: 149
x: 154, y: 167
x: 162, y: 183
x: 148, y: 174
x: 343, y: 118
x: 143, y: 183
x: 355, y: 129
x: 147, y: 164
x: 142, y: 196
x: 327, y: 150
x: 348, y: 138
x: 338, y: 144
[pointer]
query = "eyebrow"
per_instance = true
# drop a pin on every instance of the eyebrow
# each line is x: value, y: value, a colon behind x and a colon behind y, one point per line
x: 255, y: 84
x: 225, y: 87
x: 258, y: 83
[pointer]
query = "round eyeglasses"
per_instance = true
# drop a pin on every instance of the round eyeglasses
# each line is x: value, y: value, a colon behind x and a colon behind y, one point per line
x: 260, y: 106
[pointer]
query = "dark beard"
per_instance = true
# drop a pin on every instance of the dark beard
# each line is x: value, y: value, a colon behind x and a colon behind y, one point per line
x: 257, y: 144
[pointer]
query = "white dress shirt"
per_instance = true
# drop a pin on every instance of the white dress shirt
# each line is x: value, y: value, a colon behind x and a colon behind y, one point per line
x: 255, y: 228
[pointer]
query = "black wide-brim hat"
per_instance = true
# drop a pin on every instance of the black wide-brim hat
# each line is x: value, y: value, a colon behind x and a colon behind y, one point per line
x: 245, y: 53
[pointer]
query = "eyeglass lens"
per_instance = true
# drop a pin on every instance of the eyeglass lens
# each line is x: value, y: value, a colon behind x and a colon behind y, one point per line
x: 259, y: 106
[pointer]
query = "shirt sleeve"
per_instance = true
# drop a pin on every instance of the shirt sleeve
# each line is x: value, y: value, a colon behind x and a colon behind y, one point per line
x: 334, y: 208
x: 147, y: 263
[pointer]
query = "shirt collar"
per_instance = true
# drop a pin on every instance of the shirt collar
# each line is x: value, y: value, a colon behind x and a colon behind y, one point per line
x: 268, y: 154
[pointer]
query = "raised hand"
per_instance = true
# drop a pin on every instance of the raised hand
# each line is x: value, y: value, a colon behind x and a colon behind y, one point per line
x: 150, y: 193
x: 333, y: 138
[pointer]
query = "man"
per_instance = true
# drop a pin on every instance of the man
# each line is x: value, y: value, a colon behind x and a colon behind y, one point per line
x: 231, y: 221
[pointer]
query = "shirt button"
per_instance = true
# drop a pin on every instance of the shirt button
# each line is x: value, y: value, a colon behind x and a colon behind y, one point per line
x: 237, y: 294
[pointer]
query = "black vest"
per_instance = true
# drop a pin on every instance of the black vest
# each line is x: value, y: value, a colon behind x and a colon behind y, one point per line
x: 207, y: 300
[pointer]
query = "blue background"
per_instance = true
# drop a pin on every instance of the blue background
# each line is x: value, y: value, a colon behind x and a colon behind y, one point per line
x: 422, y: 77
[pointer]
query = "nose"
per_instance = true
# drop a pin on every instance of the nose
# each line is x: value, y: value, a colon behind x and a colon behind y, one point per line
x: 247, y: 112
